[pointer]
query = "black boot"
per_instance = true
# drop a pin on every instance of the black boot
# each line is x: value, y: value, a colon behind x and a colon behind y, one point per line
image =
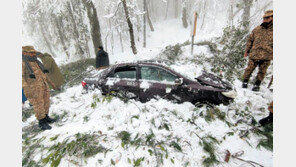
x: 256, y: 87
x: 266, y: 120
x: 245, y: 84
x: 43, y: 124
x: 48, y: 119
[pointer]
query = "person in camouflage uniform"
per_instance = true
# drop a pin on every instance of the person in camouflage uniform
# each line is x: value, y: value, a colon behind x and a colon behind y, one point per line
x: 35, y: 85
x: 259, y: 48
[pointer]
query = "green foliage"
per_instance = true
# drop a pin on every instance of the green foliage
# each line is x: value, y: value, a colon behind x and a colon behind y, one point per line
x: 171, y: 52
x: 27, y: 114
x: 150, y: 152
x: 85, y: 119
x: 83, y: 146
x: 54, y: 138
x: 213, y: 113
x: 176, y: 146
x: 208, y: 143
x: 125, y: 137
x: 267, y: 140
x: 31, y: 146
x: 108, y: 97
x: 73, y: 71
x: 138, y: 161
x: 230, y: 59
x: 150, y: 138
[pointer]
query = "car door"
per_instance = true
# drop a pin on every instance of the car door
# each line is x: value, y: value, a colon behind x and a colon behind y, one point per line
x: 156, y: 82
x: 124, y: 80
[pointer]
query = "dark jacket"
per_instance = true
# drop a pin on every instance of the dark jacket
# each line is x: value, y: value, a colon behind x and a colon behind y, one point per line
x: 102, y: 59
x: 54, y: 72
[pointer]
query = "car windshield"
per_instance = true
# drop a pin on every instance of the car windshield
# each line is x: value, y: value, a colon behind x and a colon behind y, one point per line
x: 156, y: 74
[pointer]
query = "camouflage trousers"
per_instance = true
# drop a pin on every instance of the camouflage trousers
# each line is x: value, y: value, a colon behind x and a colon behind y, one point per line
x: 263, y: 66
x: 39, y: 98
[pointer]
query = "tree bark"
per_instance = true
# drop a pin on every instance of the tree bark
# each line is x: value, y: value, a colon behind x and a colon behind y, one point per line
x: 246, y: 13
x: 120, y: 38
x: 167, y: 9
x: 95, y: 29
x: 204, y: 15
x: 176, y: 9
x: 148, y: 16
x: 231, y: 14
x: 76, y: 33
x: 58, y: 24
x: 144, y: 23
x: 48, y: 45
x: 130, y: 25
x: 184, y: 14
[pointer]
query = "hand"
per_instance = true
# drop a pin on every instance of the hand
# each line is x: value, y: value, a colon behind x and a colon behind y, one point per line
x: 246, y: 54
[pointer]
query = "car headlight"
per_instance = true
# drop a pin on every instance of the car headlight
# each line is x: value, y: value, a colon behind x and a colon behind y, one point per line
x: 231, y: 94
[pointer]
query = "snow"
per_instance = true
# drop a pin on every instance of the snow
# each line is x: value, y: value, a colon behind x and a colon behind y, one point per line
x: 145, y: 85
x: 111, y: 118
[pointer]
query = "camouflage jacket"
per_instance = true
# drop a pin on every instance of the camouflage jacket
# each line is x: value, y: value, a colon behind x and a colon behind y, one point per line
x: 30, y: 84
x: 260, y: 43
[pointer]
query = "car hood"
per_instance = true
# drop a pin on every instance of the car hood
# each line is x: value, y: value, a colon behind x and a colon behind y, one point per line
x: 208, y: 79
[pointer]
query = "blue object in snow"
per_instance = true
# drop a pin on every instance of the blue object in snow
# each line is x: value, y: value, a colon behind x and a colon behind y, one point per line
x: 23, y: 96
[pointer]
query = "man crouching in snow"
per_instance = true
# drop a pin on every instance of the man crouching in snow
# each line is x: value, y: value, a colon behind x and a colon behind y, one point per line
x: 34, y: 83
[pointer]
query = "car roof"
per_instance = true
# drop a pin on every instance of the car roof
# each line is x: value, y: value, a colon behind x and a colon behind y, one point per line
x: 163, y: 63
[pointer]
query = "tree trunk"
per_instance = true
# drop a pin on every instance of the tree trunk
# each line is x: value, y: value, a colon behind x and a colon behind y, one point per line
x: 58, y: 24
x: 148, y: 16
x: 94, y: 24
x: 48, y: 45
x: 130, y: 25
x: 76, y: 33
x: 231, y: 15
x: 204, y: 15
x: 144, y: 23
x: 120, y: 38
x: 246, y: 13
x: 184, y: 14
x: 112, y: 38
x: 176, y: 9
x: 167, y: 9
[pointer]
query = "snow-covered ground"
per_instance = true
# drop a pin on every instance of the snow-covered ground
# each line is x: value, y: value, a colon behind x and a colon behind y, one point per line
x: 184, y: 124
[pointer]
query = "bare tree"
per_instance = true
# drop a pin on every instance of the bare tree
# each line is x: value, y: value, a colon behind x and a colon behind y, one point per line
x: 246, y: 13
x: 94, y: 24
x: 59, y: 27
x: 204, y: 14
x: 184, y: 14
x: 167, y: 9
x: 76, y: 33
x: 130, y: 25
x: 176, y: 9
x: 43, y: 33
x: 148, y: 16
x: 144, y: 23
x: 231, y: 14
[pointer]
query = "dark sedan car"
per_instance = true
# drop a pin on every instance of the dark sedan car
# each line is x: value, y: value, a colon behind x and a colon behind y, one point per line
x: 144, y: 80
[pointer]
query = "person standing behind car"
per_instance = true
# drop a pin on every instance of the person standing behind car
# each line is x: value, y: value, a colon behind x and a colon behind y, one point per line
x: 259, y: 48
x: 35, y: 84
x: 102, y: 59
x: 54, y: 74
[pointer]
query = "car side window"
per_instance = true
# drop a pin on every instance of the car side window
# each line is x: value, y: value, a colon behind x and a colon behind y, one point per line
x: 156, y: 74
x: 127, y: 72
